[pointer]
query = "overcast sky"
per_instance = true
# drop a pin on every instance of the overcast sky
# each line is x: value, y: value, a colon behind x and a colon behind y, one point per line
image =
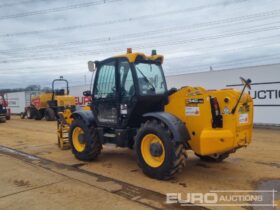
x: 43, y: 39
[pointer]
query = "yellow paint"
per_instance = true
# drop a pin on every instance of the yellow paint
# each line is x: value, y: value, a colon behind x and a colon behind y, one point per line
x: 145, y: 150
x: 65, y: 101
x: 131, y: 57
x: 41, y: 101
x: 86, y: 108
x: 75, y: 138
x: 67, y: 116
x: 206, y: 140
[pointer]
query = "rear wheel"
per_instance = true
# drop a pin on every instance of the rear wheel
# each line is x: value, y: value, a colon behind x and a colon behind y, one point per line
x: 84, y: 141
x: 213, y: 158
x: 159, y: 156
x: 50, y: 114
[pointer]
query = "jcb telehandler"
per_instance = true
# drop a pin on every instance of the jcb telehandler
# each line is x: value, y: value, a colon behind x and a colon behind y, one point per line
x: 131, y: 107
x: 49, y: 104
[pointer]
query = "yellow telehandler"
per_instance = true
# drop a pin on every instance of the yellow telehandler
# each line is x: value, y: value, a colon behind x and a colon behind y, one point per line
x: 131, y: 107
x: 47, y: 105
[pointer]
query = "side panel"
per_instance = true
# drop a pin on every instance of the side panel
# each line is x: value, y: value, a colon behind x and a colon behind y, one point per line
x: 65, y: 100
x: 192, y: 106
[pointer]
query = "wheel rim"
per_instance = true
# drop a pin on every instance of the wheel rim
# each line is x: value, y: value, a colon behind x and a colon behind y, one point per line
x: 153, y: 160
x: 77, y: 132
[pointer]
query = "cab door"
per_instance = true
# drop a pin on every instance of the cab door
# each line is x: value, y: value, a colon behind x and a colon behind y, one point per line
x: 105, y: 103
x: 127, y: 92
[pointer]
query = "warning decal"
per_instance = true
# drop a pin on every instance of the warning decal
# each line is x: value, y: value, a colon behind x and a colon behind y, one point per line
x: 243, y: 118
x: 192, y: 111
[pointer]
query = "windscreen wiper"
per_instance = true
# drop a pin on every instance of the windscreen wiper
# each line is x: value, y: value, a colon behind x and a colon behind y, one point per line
x: 146, y: 79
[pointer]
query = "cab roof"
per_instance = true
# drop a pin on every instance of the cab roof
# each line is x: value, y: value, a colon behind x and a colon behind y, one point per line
x: 132, y: 57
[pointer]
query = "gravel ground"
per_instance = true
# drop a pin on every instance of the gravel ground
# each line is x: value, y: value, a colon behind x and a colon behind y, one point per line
x: 251, y: 168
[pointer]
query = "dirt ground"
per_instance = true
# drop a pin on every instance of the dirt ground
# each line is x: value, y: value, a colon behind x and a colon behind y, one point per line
x: 256, y: 167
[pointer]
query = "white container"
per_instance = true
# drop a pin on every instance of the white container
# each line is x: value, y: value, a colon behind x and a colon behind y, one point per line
x: 17, y: 101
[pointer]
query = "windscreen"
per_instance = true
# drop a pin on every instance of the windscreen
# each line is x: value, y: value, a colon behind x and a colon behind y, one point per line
x: 150, y: 78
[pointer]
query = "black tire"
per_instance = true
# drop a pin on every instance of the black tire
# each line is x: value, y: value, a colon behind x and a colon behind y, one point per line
x: 92, y: 144
x: 175, y: 155
x: 37, y: 115
x: 50, y: 114
x: 214, y: 158
x: 8, y: 117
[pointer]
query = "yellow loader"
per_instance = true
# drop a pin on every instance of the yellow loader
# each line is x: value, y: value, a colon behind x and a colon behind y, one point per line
x: 132, y: 107
x: 47, y: 105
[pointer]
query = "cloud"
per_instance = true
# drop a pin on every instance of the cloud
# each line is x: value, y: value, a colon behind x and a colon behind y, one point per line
x: 192, y: 35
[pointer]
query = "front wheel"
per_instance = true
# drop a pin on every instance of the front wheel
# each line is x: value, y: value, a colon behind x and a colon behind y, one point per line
x: 84, y: 141
x: 158, y: 155
x: 37, y: 115
x: 50, y: 114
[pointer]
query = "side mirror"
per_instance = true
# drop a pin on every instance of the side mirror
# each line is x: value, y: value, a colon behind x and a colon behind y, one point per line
x: 91, y: 66
x: 87, y: 93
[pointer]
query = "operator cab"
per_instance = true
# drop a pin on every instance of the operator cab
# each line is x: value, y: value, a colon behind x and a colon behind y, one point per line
x: 126, y: 87
x: 58, y: 92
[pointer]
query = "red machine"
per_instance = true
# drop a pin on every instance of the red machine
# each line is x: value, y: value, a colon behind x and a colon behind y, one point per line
x: 5, y: 112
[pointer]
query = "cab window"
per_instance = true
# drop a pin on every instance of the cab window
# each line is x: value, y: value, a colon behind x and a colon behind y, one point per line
x: 150, y: 78
x: 106, y: 81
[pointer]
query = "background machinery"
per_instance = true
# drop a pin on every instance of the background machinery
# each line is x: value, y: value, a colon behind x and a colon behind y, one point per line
x: 5, y: 112
x: 131, y: 107
x: 48, y: 105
